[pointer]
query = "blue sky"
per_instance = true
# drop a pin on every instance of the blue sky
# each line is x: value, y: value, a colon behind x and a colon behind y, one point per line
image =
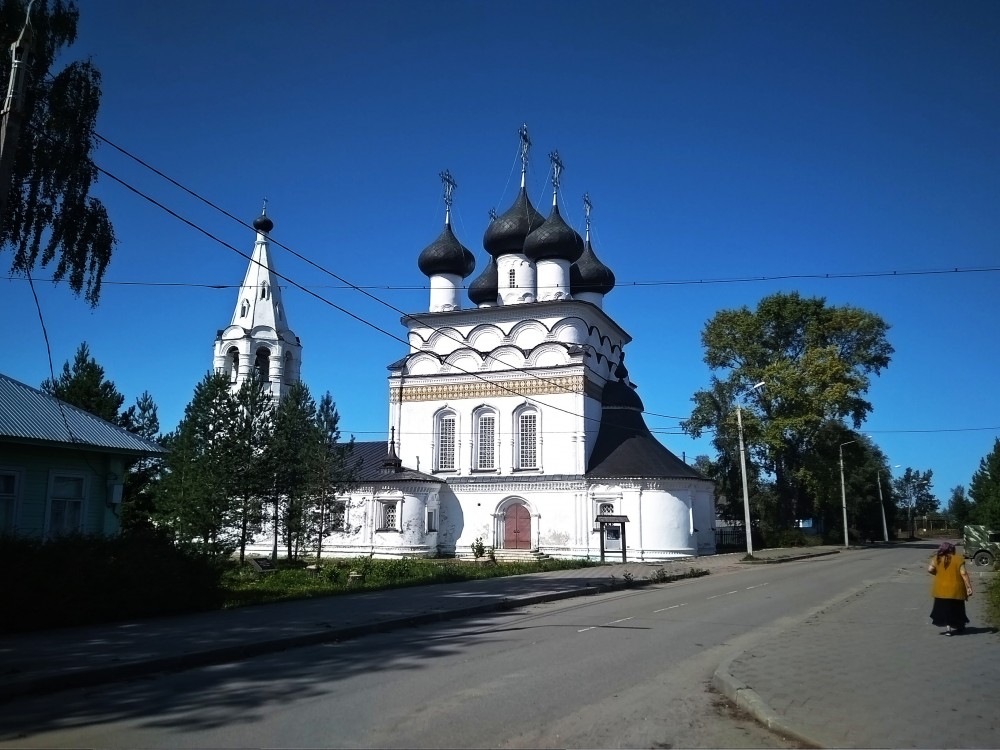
x: 717, y: 140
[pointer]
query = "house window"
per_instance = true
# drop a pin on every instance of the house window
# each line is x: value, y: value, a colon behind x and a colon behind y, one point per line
x: 388, y: 516
x: 446, y: 429
x: 606, y: 509
x: 8, y: 500
x: 432, y: 524
x: 485, y: 448
x: 526, y: 444
x: 66, y: 504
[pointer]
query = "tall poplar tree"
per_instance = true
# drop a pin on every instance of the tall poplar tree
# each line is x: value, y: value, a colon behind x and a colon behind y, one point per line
x: 252, y: 482
x: 51, y: 218
x: 815, y: 362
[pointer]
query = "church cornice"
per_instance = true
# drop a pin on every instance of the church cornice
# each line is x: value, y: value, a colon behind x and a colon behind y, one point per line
x: 480, y: 388
x: 539, y: 311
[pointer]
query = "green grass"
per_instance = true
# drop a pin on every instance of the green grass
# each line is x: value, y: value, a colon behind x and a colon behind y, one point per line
x: 243, y: 585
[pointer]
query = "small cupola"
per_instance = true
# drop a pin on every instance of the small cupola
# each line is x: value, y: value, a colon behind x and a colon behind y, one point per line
x: 554, y: 246
x: 446, y: 261
x: 506, y: 234
x: 589, y: 279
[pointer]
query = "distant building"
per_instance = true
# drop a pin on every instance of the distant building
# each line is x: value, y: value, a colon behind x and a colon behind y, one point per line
x: 513, y: 421
x: 61, y: 469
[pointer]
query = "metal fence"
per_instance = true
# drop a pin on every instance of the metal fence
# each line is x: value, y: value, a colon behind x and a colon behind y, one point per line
x: 730, y: 536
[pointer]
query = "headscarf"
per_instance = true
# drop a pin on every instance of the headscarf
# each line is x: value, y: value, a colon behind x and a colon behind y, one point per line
x: 946, y: 550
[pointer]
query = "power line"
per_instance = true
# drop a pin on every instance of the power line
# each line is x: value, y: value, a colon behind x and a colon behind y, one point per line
x: 627, y: 284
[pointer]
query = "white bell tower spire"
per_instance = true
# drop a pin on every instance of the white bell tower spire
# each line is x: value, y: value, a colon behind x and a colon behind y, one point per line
x: 258, y: 337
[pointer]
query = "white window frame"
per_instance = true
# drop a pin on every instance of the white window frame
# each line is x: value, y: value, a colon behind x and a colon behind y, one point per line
x: 520, y: 447
x: 389, y: 512
x: 440, y: 419
x: 480, y: 448
x: 51, y: 499
x: 10, y: 502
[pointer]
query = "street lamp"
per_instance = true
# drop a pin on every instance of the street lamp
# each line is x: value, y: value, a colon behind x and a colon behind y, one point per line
x: 878, y: 478
x: 843, y: 491
x: 743, y: 471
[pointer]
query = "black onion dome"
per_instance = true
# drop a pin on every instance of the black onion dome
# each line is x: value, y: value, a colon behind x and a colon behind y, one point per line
x: 507, y: 232
x: 446, y: 255
x: 618, y: 394
x: 590, y: 275
x: 486, y: 287
x: 263, y: 224
x: 555, y: 239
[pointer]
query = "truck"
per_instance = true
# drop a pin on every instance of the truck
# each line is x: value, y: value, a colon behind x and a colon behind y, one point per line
x: 982, y: 545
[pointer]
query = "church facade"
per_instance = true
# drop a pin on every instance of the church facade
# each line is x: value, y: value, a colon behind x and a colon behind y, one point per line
x: 512, y: 420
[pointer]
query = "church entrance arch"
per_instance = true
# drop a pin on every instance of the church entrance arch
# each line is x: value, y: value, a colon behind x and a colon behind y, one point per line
x: 516, y: 525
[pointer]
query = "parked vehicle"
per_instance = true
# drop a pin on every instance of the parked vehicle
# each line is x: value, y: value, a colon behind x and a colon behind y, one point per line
x: 982, y: 545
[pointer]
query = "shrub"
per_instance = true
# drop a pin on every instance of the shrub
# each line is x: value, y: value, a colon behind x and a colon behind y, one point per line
x: 79, y: 580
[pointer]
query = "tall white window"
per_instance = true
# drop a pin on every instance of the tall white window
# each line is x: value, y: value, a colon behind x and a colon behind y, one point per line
x: 66, y: 504
x: 8, y: 500
x: 512, y: 278
x: 446, y: 429
x: 526, y: 444
x: 485, y: 448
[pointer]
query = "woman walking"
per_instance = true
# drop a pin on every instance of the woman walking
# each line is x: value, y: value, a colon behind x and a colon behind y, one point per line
x: 950, y: 590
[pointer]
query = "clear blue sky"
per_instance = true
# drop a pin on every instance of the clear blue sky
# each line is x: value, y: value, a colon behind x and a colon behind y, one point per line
x: 718, y: 141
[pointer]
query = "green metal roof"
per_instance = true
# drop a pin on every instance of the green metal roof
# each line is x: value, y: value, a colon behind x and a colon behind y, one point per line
x: 28, y: 415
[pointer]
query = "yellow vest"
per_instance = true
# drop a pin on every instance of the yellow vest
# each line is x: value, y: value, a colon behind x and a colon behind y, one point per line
x: 948, y: 583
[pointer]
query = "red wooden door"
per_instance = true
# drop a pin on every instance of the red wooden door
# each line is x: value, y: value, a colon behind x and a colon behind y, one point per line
x: 516, y: 528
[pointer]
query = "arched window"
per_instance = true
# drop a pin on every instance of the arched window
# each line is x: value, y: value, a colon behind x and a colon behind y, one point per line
x: 484, y: 450
x: 263, y: 290
x: 262, y: 363
x: 512, y: 278
x: 526, y: 438
x: 244, y: 308
x: 233, y: 358
x: 445, y: 441
x: 288, y: 368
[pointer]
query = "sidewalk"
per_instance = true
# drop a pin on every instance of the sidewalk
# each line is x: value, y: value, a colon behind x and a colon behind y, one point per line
x: 77, y: 657
x: 871, y: 671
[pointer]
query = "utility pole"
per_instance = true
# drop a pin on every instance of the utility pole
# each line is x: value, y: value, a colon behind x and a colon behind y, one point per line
x: 13, y: 110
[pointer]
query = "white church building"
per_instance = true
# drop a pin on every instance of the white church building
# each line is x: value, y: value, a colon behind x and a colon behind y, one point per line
x: 511, y: 418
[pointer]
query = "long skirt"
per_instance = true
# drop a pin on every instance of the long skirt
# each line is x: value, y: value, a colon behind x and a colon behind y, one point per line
x: 949, y: 613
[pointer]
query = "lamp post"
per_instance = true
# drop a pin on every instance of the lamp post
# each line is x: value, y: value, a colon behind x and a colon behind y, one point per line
x: 743, y: 472
x: 878, y: 478
x: 843, y: 491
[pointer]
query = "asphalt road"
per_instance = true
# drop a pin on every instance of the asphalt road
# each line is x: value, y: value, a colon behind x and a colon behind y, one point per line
x: 627, y: 669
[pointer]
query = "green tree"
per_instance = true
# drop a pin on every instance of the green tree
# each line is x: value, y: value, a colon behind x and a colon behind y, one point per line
x: 85, y: 386
x: 913, y: 489
x: 984, y: 490
x: 194, y: 496
x: 252, y: 482
x: 137, y: 494
x: 815, y: 362
x: 295, y: 455
x: 51, y: 218
x: 959, y: 507
x: 336, y: 470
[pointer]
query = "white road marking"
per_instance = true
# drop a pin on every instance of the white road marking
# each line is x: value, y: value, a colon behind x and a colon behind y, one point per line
x: 672, y: 606
x: 759, y: 585
x: 584, y: 630
x: 617, y: 621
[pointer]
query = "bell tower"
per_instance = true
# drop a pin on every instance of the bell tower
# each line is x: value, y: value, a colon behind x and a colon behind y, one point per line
x: 258, y: 337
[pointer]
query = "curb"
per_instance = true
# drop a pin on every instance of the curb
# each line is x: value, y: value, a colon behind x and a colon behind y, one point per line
x: 179, y: 662
x: 776, y: 560
x: 746, y: 699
